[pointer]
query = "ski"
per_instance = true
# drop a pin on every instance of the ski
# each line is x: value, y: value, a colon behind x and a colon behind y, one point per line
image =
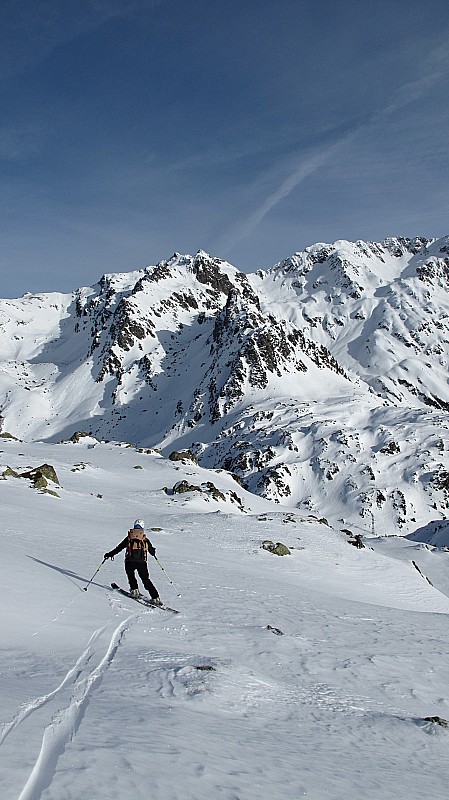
x: 144, y: 601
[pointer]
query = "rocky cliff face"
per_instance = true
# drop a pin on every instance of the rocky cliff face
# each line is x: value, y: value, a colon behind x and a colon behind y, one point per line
x: 320, y: 383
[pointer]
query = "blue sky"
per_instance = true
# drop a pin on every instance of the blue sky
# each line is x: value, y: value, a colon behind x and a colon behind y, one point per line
x: 132, y: 129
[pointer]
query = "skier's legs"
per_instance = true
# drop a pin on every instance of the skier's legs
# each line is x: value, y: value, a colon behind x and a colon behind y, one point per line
x: 142, y: 570
x: 130, y: 570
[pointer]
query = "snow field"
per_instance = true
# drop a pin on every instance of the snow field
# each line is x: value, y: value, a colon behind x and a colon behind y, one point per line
x: 104, y: 699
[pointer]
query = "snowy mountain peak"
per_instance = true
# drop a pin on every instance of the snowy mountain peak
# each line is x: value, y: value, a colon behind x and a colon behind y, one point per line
x: 321, y: 382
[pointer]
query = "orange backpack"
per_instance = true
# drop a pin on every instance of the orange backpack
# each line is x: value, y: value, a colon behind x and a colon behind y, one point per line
x: 137, y: 546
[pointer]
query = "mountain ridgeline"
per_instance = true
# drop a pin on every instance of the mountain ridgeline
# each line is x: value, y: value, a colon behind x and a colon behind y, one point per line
x: 321, y: 383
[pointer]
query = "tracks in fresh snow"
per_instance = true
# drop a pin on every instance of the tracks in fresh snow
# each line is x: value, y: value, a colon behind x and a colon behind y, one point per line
x: 61, y: 730
x: 38, y: 702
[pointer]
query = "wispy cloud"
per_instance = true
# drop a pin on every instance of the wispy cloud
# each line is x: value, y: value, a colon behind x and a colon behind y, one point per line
x: 434, y: 67
x: 303, y: 168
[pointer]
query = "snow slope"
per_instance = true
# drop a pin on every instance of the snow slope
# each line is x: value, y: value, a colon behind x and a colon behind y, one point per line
x: 322, y: 383
x: 106, y: 700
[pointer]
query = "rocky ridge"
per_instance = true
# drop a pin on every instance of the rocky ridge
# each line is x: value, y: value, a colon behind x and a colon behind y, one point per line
x: 320, y: 383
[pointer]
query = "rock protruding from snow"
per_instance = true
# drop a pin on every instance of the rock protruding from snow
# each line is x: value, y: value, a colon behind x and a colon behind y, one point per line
x: 320, y: 383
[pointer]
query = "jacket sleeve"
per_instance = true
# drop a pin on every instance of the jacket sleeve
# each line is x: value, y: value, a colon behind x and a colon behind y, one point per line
x: 119, y: 547
x: 151, y: 548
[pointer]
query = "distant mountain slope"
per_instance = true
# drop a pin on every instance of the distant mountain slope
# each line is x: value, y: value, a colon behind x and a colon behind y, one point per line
x: 322, y: 382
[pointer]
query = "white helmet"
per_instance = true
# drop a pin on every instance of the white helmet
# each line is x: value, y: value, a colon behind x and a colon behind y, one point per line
x: 139, y: 523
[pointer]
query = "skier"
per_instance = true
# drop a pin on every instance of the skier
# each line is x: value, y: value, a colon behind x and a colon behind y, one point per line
x: 137, y: 547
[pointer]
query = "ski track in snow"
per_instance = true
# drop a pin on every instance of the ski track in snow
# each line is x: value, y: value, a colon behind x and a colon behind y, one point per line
x: 61, y: 730
x: 332, y: 710
x: 38, y: 702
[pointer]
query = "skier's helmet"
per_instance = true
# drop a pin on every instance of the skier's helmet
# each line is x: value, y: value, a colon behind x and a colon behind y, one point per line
x: 139, y: 523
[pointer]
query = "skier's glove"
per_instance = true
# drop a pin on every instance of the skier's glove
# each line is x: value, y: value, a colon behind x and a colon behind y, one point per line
x: 152, y: 551
x: 107, y: 555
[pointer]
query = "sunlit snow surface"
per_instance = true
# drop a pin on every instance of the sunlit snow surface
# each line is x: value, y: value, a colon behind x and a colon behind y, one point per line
x: 322, y: 382
x: 102, y: 699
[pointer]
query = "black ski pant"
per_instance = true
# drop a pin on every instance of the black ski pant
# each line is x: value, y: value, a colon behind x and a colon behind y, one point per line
x: 131, y: 567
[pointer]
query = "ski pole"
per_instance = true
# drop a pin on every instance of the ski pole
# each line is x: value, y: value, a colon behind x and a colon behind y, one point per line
x: 169, y: 580
x: 93, y: 576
